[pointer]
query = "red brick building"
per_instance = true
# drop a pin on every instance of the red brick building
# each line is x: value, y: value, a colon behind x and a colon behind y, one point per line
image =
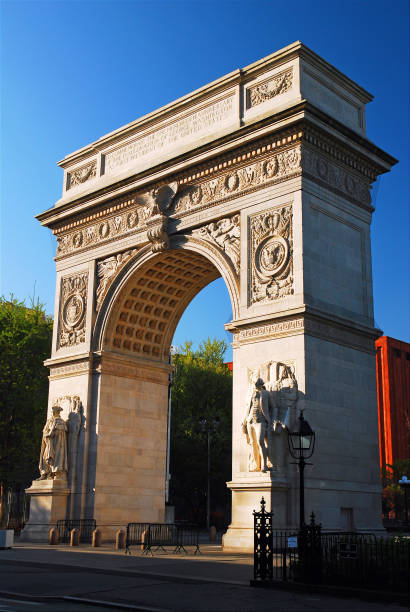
x: 393, y: 393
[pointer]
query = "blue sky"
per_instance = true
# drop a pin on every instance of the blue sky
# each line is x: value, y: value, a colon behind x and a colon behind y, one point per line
x: 72, y: 71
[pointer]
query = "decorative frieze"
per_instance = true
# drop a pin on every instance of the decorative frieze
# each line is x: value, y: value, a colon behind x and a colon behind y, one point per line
x: 238, y: 181
x: 82, y: 175
x: 270, y: 88
x: 105, y: 228
x: 271, y: 255
x: 245, y: 173
x: 107, y: 270
x: 320, y: 167
x: 270, y: 330
x: 76, y: 368
x: 73, y: 308
x: 225, y: 234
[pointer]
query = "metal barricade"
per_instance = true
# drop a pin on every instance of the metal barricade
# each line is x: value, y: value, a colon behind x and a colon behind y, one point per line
x: 156, y: 536
x: 85, y: 527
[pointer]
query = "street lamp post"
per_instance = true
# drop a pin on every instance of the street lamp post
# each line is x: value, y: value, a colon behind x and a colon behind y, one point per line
x: 209, y: 427
x: 301, y: 446
x: 404, y: 482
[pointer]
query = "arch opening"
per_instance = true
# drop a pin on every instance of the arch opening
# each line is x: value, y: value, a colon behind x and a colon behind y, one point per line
x: 143, y: 314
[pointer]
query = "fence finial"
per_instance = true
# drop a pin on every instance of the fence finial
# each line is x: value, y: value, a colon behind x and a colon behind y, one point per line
x: 263, y: 504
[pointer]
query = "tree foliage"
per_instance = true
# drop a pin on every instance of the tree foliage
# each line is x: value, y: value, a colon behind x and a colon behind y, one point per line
x: 25, y: 339
x: 393, y: 494
x: 202, y: 389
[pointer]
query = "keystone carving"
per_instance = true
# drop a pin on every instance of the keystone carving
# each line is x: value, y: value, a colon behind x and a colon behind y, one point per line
x: 225, y: 234
x: 271, y: 251
x: 107, y: 270
x: 73, y: 307
x: 156, y: 205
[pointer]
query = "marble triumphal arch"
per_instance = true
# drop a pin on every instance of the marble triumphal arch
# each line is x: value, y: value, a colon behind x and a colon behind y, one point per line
x: 262, y: 177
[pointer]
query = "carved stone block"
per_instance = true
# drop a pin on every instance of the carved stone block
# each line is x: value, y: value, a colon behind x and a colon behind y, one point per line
x: 271, y: 255
x: 73, y: 307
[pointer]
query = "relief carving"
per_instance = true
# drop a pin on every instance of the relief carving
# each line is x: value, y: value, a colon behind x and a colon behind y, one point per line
x: 270, y: 409
x: 73, y: 306
x: 271, y: 255
x: 336, y: 177
x: 82, y: 175
x: 107, y: 270
x: 276, y: 167
x: 98, y: 232
x: 156, y: 206
x: 225, y: 234
x: 270, y: 89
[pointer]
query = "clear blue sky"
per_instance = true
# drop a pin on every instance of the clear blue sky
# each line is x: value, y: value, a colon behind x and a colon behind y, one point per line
x: 72, y: 71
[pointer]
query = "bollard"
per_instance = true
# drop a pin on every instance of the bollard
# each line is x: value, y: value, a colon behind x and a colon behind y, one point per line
x: 74, y: 537
x: 212, y: 534
x: 53, y: 536
x: 143, y: 539
x: 97, y: 538
x: 120, y: 539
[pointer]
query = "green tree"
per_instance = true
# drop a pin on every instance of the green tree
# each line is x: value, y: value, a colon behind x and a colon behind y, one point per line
x: 393, y: 493
x: 202, y: 388
x: 25, y: 340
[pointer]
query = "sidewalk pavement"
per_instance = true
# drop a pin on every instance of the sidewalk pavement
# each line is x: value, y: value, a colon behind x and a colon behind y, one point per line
x: 214, y: 580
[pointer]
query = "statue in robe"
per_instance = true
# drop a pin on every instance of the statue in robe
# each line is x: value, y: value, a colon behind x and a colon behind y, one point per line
x: 53, y: 455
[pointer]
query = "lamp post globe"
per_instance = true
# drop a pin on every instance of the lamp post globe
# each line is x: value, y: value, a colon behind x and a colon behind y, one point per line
x: 404, y: 483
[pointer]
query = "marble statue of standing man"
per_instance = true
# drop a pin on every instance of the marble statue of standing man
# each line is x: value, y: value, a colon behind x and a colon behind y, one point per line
x: 53, y: 455
x: 257, y: 426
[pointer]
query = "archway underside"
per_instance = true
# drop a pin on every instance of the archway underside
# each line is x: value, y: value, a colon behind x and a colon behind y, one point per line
x: 152, y: 301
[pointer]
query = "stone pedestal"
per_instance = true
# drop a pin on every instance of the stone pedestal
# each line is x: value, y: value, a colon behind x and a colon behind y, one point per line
x: 247, y: 492
x: 48, y: 504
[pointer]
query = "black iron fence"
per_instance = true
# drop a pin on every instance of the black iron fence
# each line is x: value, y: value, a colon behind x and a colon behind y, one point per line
x: 337, y: 558
x: 156, y: 536
x: 15, y: 505
x: 85, y: 527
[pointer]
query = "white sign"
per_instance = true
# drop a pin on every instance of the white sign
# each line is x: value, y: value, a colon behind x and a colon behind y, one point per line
x: 293, y: 542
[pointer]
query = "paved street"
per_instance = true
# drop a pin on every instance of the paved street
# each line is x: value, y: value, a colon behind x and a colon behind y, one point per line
x: 212, y: 581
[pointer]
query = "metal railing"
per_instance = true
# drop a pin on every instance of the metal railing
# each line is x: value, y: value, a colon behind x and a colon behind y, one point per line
x: 85, y: 527
x: 156, y: 536
x: 335, y: 558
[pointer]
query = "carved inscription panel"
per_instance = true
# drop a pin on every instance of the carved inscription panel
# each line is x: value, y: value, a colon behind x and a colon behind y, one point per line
x: 167, y: 136
x: 271, y: 255
x: 73, y: 308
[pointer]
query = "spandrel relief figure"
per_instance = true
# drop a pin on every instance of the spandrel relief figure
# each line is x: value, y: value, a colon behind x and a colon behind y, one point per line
x: 270, y: 410
x: 53, y: 455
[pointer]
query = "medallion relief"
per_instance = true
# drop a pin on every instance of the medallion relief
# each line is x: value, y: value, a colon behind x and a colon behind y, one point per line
x: 271, y: 255
x: 73, y: 307
x: 225, y: 234
x: 234, y: 182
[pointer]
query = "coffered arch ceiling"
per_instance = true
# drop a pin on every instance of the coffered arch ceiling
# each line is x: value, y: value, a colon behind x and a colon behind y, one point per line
x: 142, y: 316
